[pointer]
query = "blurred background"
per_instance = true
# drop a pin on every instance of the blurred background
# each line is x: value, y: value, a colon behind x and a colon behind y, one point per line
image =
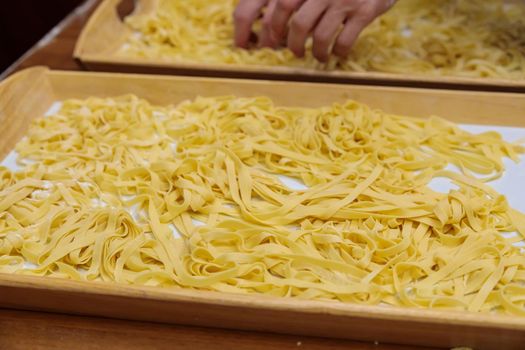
x: 24, y: 22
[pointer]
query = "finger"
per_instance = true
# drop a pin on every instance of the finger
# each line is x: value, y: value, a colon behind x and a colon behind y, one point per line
x: 266, y: 38
x: 302, y: 24
x: 326, y: 32
x: 353, y: 27
x: 246, y: 12
x: 281, y: 16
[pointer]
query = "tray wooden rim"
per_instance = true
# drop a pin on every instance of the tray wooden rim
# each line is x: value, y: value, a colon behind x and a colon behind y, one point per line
x: 104, y: 58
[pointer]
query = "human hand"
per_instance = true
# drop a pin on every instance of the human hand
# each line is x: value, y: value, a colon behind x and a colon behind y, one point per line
x: 337, y: 22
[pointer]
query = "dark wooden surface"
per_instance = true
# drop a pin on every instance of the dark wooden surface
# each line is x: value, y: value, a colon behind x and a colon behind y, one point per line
x: 36, y: 330
x: 55, y: 50
x: 31, y: 330
x: 21, y: 28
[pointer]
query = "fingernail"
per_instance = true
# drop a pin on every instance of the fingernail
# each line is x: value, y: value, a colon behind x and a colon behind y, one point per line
x: 322, y: 59
x: 273, y: 39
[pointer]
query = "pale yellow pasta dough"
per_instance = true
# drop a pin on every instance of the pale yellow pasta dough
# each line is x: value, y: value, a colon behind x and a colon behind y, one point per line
x: 466, y: 38
x: 106, y: 182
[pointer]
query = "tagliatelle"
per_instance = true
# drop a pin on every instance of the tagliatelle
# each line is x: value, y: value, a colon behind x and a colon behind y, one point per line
x: 106, y: 182
x: 467, y: 38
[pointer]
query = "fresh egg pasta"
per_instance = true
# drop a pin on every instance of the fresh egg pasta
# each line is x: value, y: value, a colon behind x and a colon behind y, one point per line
x: 464, y: 38
x: 191, y: 196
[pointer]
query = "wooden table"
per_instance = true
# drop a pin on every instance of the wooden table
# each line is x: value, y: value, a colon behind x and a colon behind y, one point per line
x: 36, y: 330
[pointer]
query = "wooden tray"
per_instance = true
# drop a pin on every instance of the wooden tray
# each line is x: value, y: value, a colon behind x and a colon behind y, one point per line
x: 105, y: 33
x: 30, y: 93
